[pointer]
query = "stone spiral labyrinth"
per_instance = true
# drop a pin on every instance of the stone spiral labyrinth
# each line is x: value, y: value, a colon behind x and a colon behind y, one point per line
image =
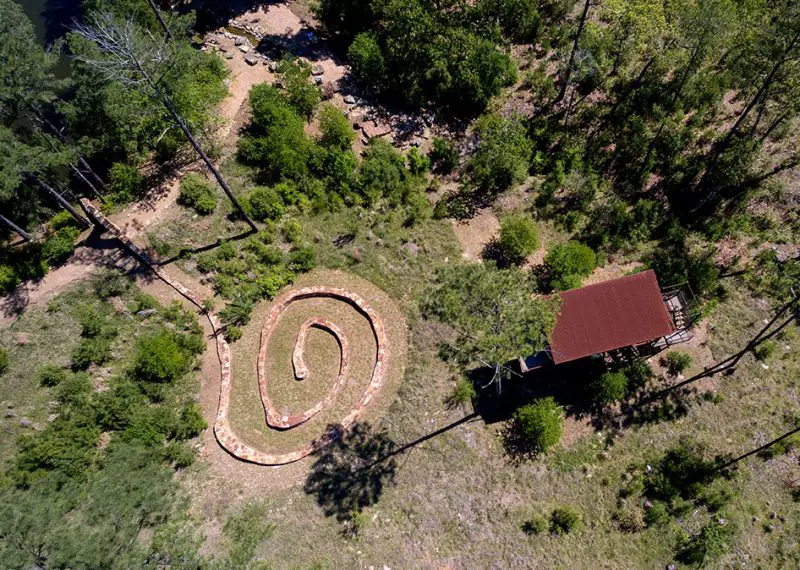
x: 275, y: 419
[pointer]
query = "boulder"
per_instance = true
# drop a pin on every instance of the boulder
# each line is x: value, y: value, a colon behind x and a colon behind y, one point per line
x: 240, y: 40
x: 26, y: 423
x: 251, y: 59
x: 273, y: 66
x: 228, y: 56
x: 349, y: 99
x: 318, y: 80
x: 244, y: 49
x: 317, y: 70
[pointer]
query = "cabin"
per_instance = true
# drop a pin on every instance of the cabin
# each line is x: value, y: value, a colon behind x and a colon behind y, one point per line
x: 630, y: 316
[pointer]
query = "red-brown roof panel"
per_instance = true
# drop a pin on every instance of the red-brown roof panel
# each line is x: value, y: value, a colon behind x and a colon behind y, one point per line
x: 622, y: 312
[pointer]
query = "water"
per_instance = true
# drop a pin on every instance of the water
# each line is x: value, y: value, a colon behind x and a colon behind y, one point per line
x: 51, y: 19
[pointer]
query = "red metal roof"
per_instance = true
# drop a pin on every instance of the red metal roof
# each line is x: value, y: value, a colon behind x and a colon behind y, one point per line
x: 610, y: 315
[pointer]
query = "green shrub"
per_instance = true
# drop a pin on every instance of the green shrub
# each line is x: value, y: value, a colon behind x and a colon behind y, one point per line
x: 158, y: 358
x: 143, y: 302
x: 302, y: 258
x: 233, y: 333
x: 125, y: 181
x: 463, y: 393
x: 150, y: 425
x: 676, y: 362
x: 75, y: 390
x: 337, y: 132
x: 114, y: 408
x: 765, y: 351
x: 58, y: 246
x: 265, y: 204
x: 711, y: 542
x: 366, y: 60
x: 657, y: 514
x: 301, y: 94
x: 111, y: 284
x: 504, y: 150
x: 292, y: 230
x: 638, y: 374
x: 443, y: 155
x: 680, y: 474
x: 237, y: 312
x: 418, y: 163
x: 564, y: 520
x: 519, y: 237
x: 535, y: 525
x: 190, y: 423
x: 630, y: 519
x: 226, y: 251
x: 540, y: 423
x: 8, y: 279
x: 94, y: 350
x: 716, y: 495
x: 62, y: 219
x: 179, y: 455
x: 568, y: 264
x: 609, y: 388
x: 198, y: 194
x: 3, y: 360
x: 51, y: 375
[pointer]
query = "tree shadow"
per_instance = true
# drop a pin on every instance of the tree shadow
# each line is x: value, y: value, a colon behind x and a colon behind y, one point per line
x: 352, y: 472
x: 188, y: 251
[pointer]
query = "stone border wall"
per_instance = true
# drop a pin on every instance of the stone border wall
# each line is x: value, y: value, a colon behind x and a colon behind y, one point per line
x: 222, y: 430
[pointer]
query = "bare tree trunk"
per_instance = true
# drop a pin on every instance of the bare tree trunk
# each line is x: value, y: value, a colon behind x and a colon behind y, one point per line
x: 15, y: 228
x: 60, y: 199
x: 98, y: 182
x: 157, y: 12
x: 563, y: 91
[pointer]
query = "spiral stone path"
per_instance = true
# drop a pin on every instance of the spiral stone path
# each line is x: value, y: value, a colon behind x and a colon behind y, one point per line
x: 222, y: 429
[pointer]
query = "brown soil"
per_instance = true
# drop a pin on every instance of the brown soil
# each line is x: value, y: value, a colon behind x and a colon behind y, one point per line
x: 476, y: 233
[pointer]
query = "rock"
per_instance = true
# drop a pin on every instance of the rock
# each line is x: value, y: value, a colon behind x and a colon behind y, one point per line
x: 318, y: 80
x: 240, y: 40
x: 22, y: 338
x: 244, y: 49
x: 273, y: 66
x: 411, y: 247
x: 671, y: 566
x: 147, y: 312
x: 265, y: 62
x: 228, y: 56
x: 648, y: 505
x: 11, y: 414
x: 251, y: 59
x: 317, y: 70
x: 26, y: 423
x: 223, y: 49
x: 52, y: 417
x: 349, y: 99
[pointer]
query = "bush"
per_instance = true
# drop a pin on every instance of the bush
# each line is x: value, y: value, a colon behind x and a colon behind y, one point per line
x: 3, y: 360
x: 8, y: 279
x: 463, y: 393
x: 564, y: 520
x: 179, y: 455
x: 765, y: 351
x: 366, y: 60
x: 237, y: 312
x: 630, y: 519
x: 111, y: 284
x: 609, y: 388
x: 292, y: 230
x: 95, y: 350
x: 265, y: 204
x: 680, y: 474
x: 638, y: 374
x: 75, y: 390
x: 198, y: 194
x: 233, y: 333
x: 337, y: 132
x: 62, y: 219
x: 676, y: 362
x: 503, y: 153
x: 302, y: 258
x: 657, y: 515
x: 190, y: 423
x: 712, y: 541
x: 568, y: 264
x: 51, y: 375
x: 159, y: 359
x: 58, y: 246
x: 519, y: 237
x: 535, y: 525
x: 540, y: 423
x: 150, y: 425
x: 125, y: 181
x: 418, y: 163
x: 443, y: 155
x: 301, y: 94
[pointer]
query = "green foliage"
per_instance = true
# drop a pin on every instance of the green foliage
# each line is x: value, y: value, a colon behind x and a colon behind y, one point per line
x: 149, y: 426
x: 519, y: 237
x: 504, y: 150
x: 198, y: 194
x: 443, y: 155
x: 158, y: 358
x: 766, y: 350
x: 535, y: 525
x: 50, y: 375
x: 180, y: 455
x: 3, y: 360
x: 463, y: 393
x: 676, y: 362
x: 336, y: 130
x: 58, y: 246
x: 568, y: 264
x: 609, y: 388
x: 265, y: 204
x: 8, y: 279
x: 244, y: 531
x: 772, y: 277
x: 564, y: 520
x: 111, y: 284
x: 383, y: 174
x: 657, y: 515
x: 638, y: 374
x: 300, y: 92
x: 233, y: 333
x: 237, y: 312
x: 93, y: 350
x: 713, y: 540
x: 630, y: 519
x: 680, y: 473
x: 292, y: 230
x: 540, y: 423
x: 492, y: 309
x: 302, y: 258
x: 367, y: 61
x: 125, y: 181
x: 418, y: 164
x: 190, y: 422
